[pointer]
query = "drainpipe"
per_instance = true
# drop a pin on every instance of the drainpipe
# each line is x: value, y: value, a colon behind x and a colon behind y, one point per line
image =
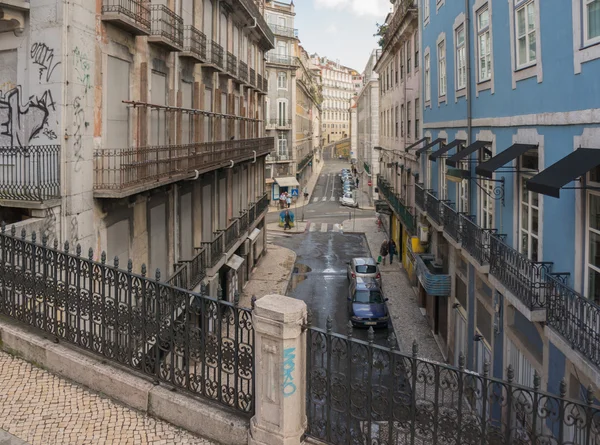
x: 469, y: 75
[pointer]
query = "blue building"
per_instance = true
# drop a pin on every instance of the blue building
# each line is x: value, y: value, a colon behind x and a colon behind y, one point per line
x: 510, y: 189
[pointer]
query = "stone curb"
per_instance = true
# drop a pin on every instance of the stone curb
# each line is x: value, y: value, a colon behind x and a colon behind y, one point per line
x: 131, y: 389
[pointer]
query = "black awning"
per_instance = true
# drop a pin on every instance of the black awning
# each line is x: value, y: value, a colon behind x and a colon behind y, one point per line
x: 452, y: 160
x: 428, y: 146
x: 551, y: 180
x: 415, y: 144
x: 488, y: 167
x: 445, y: 149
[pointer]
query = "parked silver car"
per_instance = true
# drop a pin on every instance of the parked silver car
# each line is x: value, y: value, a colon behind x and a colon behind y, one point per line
x: 363, y: 268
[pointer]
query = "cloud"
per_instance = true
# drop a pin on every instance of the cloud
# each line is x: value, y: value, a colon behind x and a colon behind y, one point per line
x: 332, y: 29
x: 376, y: 8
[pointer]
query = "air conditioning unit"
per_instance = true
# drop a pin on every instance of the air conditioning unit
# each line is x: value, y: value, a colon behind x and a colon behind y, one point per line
x: 245, y: 247
x: 423, y: 233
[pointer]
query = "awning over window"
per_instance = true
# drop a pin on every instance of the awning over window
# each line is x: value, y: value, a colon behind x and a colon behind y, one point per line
x: 488, y: 167
x: 415, y: 144
x: 445, y: 149
x: 235, y: 262
x: 551, y: 180
x: 428, y: 146
x: 452, y: 160
x: 288, y: 181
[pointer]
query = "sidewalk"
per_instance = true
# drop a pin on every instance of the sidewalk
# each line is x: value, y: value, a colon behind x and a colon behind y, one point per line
x: 312, y: 182
x: 271, y: 276
x: 42, y: 409
x: 299, y: 227
x: 409, y: 322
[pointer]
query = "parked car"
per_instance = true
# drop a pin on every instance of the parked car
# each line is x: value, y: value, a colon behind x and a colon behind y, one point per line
x: 348, y: 200
x: 363, y: 267
x: 346, y: 177
x: 366, y: 304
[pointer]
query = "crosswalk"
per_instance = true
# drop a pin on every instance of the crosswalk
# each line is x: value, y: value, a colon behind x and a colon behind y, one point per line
x: 327, y: 198
x: 324, y: 227
x: 272, y: 236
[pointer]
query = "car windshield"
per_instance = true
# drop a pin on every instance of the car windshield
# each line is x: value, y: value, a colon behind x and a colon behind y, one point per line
x: 368, y: 296
x: 366, y: 268
x: 348, y: 195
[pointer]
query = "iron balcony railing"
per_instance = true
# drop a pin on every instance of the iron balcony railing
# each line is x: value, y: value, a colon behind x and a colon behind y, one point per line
x: 420, y: 196
x: 244, y: 221
x: 452, y: 221
x: 214, y: 248
x: 283, y: 30
x: 232, y: 233
x: 265, y: 84
x: 194, y: 42
x: 232, y: 64
x: 574, y: 317
x: 243, y: 71
x: 282, y: 59
x: 252, y: 77
x: 167, y: 25
x: 190, y: 273
x: 30, y: 173
x: 131, y: 13
x: 476, y: 240
x: 280, y: 123
x: 525, y: 279
x: 402, y: 211
x: 262, y: 205
x: 259, y: 82
x: 123, y: 169
x: 188, y: 340
x: 216, y: 54
x: 432, y: 207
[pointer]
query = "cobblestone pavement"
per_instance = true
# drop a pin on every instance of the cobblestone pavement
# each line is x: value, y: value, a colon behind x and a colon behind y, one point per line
x: 408, y: 320
x: 43, y: 409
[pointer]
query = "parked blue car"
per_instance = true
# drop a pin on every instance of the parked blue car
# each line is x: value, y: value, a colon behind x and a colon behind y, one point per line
x: 366, y: 303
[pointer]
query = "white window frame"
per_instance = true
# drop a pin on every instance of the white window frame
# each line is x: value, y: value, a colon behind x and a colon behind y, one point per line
x: 282, y: 75
x: 484, y: 32
x: 426, y: 10
x: 527, y: 231
x: 443, y: 183
x: 442, y: 78
x: 282, y: 104
x: 282, y: 148
x: 586, y: 40
x: 462, y: 191
x: 589, y: 267
x: 427, y: 78
x: 528, y: 34
x: 461, y: 59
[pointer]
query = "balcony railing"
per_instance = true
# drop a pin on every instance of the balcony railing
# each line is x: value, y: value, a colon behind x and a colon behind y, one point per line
x: 434, y: 283
x: 279, y: 123
x: 125, y: 171
x: 401, y: 210
x: 452, y: 221
x: 265, y: 84
x: 259, y: 82
x: 194, y: 43
x: 214, y: 248
x: 420, y: 196
x: 243, y: 71
x: 432, y: 207
x: 167, y: 28
x: 282, y: 59
x: 30, y: 173
x: 216, y: 55
x: 132, y: 15
x: 283, y: 30
x: 525, y: 279
x: 232, y: 233
x: 476, y: 241
x: 252, y: 77
x: 232, y: 64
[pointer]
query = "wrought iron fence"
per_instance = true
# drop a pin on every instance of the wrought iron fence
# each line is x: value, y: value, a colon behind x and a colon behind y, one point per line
x: 401, y: 210
x: 185, y: 339
x: 360, y: 393
x: 244, y: 221
x: 216, y: 54
x: 215, y: 248
x: 252, y: 77
x: 526, y: 279
x: 136, y: 10
x: 432, y: 207
x: 280, y: 122
x: 126, y: 168
x: 574, y: 317
x: 420, y: 196
x: 167, y: 24
x: 30, y: 173
x: 232, y: 233
x: 451, y: 221
x: 194, y: 42
x: 243, y: 71
x: 231, y: 64
x: 476, y: 241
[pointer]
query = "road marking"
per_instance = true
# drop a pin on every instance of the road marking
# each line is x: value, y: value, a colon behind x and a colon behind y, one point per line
x: 312, y: 228
x: 315, y: 199
x: 332, y: 198
x: 324, y: 227
x: 336, y: 227
x: 324, y: 198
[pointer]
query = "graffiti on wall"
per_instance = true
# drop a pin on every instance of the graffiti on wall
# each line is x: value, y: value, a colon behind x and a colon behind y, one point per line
x: 82, y: 69
x: 24, y: 120
x: 43, y: 56
x: 49, y: 225
x: 289, y: 365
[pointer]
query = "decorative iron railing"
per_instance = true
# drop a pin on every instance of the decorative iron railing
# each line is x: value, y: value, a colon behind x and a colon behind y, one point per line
x: 262, y: 205
x: 216, y: 54
x: 259, y: 82
x: 123, y: 169
x: 194, y: 42
x: 525, y: 279
x: 420, y: 196
x: 166, y: 24
x: 432, y: 207
x: 437, y: 284
x: 231, y: 64
x: 451, y: 221
x: 476, y: 241
x: 362, y: 393
x: 244, y: 221
x: 232, y: 233
x: 136, y: 10
x: 283, y: 30
x: 30, y: 173
x: 215, y: 248
x: 282, y: 59
x: 265, y: 84
x: 286, y: 123
x: 403, y: 212
x: 186, y: 339
x: 243, y: 71
x: 252, y: 77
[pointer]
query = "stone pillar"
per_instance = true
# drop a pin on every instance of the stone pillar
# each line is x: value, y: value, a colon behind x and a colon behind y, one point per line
x: 280, y: 370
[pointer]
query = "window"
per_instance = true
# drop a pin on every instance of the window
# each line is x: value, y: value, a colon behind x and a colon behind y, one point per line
x: 484, y: 45
x: 593, y: 244
x: 408, y: 115
x: 408, y: 60
x: 402, y: 121
x: 526, y: 34
x: 282, y: 146
x: 529, y: 222
x: 282, y: 80
x: 442, y: 68
x: 402, y: 63
x: 485, y: 193
x: 461, y: 59
x: 416, y: 49
x: 591, y: 21
x: 427, y: 79
x: 443, y: 185
x: 417, y: 120
x: 425, y: 9
x: 463, y: 190
x: 282, y: 112
x: 396, y: 126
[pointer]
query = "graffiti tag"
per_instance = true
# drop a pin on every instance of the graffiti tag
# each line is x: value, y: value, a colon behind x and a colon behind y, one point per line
x: 78, y: 123
x: 43, y: 56
x: 289, y: 365
x: 82, y: 68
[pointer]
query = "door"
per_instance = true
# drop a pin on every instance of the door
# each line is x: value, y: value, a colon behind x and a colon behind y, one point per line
x: 460, y: 336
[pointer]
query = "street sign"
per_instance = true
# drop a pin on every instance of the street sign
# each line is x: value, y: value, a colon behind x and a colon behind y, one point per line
x: 294, y: 192
x: 370, y: 183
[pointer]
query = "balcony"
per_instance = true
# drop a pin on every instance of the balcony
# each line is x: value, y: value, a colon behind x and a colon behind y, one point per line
x: 420, y: 196
x: 30, y: 174
x: 252, y: 77
x: 476, y: 241
x: 432, y: 208
x: 265, y: 85
x: 166, y: 28
x: 194, y: 44
x: 283, y: 31
x: 400, y: 209
x: 282, y: 59
x: 243, y: 71
x: 431, y: 277
x: 284, y: 156
x: 216, y: 55
x: 259, y: 82
x: 279, y: 124
x: 131, y: 15
x: 232, y: 63
x: 123, y: 172
x: 452, y: 222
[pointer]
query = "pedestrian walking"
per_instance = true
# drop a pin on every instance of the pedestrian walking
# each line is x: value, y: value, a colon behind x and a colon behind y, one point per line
x: 392, y: 249
x: 288, y: 199
x: 287, y: 219
x: 383, y: 252
x: 356, y: 182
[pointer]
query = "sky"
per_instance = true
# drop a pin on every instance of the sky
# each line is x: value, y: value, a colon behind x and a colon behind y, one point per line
x: 340, y: 29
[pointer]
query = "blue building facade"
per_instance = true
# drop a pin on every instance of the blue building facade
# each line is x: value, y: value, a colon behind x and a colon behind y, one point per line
x: 510, y: 189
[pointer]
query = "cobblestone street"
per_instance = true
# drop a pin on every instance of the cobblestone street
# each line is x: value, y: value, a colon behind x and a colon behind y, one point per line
x: 43, y: 409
